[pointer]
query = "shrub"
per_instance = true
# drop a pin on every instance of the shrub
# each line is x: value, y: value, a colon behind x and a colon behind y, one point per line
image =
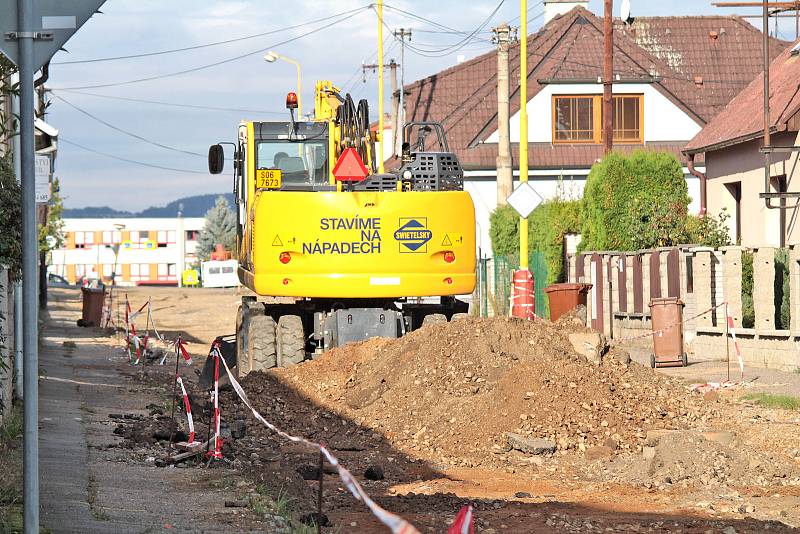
x: 10, y: 218
x: 782, y: 308
x: 636, y: 201
x: 708, y: 230
x: 748, y: 312
x: 547, y: 225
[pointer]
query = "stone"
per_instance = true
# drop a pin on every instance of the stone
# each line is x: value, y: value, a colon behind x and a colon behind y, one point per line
x: 653, y: 437
x: 648, y: 453
x: 374, y: 472
x: 530, y: 445
x: 308, y: 471
x: 598, y: 452
x: 621, y: 355
x: 522, y: 495
x: 590, y: 345
x: 238, y: 429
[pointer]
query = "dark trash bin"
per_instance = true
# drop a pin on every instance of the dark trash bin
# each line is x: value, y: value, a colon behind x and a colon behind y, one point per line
x: 92, y: 310
x: 563, y: 298
x: 667, y: 314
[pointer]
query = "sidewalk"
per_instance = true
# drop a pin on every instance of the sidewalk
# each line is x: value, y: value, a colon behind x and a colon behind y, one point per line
x: 761, y: 380
x: 87, y: 483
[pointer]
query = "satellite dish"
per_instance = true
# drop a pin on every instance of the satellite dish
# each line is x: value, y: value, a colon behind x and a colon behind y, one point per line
x: 625, y: 11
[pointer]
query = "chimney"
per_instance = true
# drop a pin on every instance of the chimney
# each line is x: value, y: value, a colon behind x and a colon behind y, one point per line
x: 553, y: 8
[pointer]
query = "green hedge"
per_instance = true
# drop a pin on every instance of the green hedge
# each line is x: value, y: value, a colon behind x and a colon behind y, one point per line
x: 547, y: 226
x: 636, y: 201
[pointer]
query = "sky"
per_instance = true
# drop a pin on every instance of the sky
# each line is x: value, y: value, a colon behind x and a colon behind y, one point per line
x: 243, y: 88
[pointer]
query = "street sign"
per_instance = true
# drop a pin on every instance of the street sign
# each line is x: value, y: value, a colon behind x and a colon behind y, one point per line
x: 54, y: 22
x: 524, y: 199
x: 350, y: 168
x: 42, y: 178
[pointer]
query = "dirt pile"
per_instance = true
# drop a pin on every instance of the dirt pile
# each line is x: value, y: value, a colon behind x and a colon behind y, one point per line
x: 711, y: 458
x: 452, y: 391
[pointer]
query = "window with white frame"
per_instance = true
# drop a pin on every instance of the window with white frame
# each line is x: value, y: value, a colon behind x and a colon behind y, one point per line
x: 140, y: 271
x: 106, y: 237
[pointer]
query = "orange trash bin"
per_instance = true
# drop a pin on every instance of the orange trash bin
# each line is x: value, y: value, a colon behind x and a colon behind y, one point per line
x: 667, y: 322
x: 563, y: 298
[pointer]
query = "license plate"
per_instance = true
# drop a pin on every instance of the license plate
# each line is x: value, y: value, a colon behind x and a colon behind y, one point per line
x: 268, y: 179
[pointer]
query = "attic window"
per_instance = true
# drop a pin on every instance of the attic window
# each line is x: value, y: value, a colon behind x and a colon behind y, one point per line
x: 713, y: 35
x: 698, y: 80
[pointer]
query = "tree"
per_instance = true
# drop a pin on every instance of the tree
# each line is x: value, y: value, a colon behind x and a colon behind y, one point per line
x: 220, y: 228
x: 51, y: 234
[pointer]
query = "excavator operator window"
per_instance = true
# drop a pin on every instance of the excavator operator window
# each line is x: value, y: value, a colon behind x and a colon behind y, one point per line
x: 300, y: 162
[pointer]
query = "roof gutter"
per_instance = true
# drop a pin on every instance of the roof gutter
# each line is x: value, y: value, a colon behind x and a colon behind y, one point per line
x: 703, y: 184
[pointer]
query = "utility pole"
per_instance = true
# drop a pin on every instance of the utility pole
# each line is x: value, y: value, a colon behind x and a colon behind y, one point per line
x: 393, y: 84
x: 401, y: 34
x: 504, y: 174
x: 523, y: 127
x: 380, y: 84
x: 608, y: 75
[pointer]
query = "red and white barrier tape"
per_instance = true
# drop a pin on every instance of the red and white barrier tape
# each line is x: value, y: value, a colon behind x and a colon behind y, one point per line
x: 396, y: 524
x: 463, y: 521
x: 188, y: 408
x: 735, y: 341
x: 217, y: 453
x: 660, y: 331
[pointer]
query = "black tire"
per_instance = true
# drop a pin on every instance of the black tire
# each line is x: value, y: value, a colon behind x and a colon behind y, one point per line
x: 291, y: 341
x: 685, y: 360
x: 434, y: 318
x: 261, y: 342
x: 459, y: 316
x: 653, y: 361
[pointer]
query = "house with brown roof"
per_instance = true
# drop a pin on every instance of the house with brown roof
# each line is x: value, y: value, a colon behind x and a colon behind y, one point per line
x: 672, y: 75
x: 736, y: 173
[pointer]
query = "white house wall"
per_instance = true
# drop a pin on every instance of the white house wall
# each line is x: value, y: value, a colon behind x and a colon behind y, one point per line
x: 663, y: 120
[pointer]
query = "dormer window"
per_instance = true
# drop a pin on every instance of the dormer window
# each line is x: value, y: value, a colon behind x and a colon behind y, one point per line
x: 578, y: 119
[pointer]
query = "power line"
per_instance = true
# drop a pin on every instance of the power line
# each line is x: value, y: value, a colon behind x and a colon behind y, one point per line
x: 207, y: 45
x: 216, y: 63
x: 130, y: 134
x: 61, y: 139
x: 173, y: 104
x: 447, y: 50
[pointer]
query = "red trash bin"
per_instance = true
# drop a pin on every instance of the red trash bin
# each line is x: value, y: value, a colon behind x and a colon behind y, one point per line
x: 92, y: 306
x: 667, y: 319
x: 563, y: 298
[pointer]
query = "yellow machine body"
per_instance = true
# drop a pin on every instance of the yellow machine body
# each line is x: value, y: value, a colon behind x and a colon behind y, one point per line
x: 360, y: 244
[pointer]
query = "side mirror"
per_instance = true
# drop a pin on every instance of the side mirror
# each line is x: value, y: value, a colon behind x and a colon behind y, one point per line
x: 216, y: 159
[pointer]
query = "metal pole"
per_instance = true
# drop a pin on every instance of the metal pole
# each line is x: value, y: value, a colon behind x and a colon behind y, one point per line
x: 523, y: 127
x: 765, y: 34
x: 505, y: 181
x: 18, y: 329
x: 608, y: 75
x: 30, y: 279
x: 380, y: 86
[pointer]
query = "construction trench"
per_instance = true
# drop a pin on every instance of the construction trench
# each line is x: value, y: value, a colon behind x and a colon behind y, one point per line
x: 538, y: 426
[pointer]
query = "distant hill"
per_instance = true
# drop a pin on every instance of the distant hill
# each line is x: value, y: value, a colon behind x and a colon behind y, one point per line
x: 195, y: 206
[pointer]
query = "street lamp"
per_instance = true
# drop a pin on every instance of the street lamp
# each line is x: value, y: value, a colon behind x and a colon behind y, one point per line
x: 272, y: 57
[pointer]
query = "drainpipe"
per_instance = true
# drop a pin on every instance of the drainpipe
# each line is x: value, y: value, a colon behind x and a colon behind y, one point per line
x: 703, y: 185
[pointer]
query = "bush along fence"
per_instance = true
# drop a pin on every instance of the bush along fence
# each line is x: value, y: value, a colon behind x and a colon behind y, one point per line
x: 761, y: 287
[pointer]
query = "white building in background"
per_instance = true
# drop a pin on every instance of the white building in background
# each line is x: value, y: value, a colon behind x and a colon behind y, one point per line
x: 149, y: 249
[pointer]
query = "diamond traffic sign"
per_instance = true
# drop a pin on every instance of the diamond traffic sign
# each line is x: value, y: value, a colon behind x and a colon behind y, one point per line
x: 54, y: 22
x: 524, y: 199
x: 349, y: 167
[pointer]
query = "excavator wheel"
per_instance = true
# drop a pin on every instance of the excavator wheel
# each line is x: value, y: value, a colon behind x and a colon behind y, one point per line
x: 291, y: 342
x: 261, y: 343
x: 434, y: 318
x: 459, y: 316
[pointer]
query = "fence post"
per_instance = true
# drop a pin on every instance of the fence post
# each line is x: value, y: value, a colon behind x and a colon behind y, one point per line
x: 732, y: 282
x: 764, y: 280
x: 6, y: 344
x: 794, y: 286
x: 702, y: 284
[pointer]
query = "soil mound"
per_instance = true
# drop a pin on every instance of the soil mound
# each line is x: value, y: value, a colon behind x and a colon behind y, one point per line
x: 452, y: 391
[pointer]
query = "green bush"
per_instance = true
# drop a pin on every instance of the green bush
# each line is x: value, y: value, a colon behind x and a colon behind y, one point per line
x: 547, y: 225
x: 635, y: 201
x: 782, y: 309
x: 708, y: 230
x: 10, y: 218
x: 748, y: 312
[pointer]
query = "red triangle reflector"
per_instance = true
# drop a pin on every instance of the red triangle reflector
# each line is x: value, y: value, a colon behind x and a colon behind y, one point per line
x: 349, y: 167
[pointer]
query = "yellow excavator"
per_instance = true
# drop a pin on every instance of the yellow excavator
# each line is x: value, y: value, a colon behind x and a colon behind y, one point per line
x: 335, y: 251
